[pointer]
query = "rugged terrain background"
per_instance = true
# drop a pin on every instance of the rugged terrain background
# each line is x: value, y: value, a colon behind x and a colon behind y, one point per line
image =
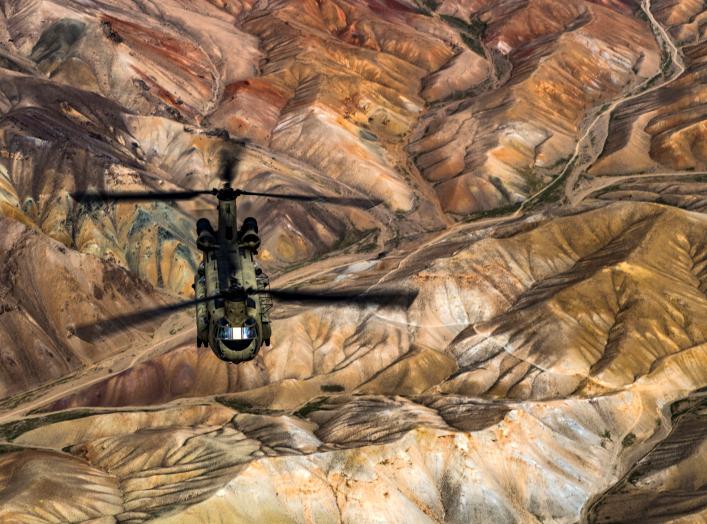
x: 543, y: 171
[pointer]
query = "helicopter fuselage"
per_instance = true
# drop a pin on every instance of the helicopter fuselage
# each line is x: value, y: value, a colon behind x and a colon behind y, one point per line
x: 236, y: 326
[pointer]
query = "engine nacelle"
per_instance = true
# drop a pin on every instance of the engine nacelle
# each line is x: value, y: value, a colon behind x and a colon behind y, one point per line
x: 205, y: 235
x: 203, y: 224
x: 248, y: 234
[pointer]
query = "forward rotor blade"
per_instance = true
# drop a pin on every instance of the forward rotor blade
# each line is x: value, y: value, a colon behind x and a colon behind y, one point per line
x: 340, y: 201
x: 400, y: 298
x: 109, y: 196
x: 109, y: 326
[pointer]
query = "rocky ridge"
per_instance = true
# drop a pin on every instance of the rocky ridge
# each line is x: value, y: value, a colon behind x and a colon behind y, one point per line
x: 542, y: 188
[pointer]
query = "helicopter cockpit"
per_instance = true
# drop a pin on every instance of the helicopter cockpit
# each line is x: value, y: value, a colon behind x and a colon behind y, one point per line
x: 237, y: 338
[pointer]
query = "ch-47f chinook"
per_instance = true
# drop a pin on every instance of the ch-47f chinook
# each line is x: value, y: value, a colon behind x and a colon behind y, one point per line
x: 233, y: 296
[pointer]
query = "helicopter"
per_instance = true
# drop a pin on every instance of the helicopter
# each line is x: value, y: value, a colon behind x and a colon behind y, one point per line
x: 233, y: 297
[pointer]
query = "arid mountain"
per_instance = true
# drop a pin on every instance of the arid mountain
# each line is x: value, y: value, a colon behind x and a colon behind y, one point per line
x: 535, y: 173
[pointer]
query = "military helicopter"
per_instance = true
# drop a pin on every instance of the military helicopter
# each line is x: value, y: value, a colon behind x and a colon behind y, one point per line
x: 233, y: 295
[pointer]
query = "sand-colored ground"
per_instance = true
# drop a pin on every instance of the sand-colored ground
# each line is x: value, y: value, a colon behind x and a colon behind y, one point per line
x: 540, y: 171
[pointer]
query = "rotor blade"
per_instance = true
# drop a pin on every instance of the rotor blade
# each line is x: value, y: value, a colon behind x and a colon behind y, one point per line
x: 226, y: 170
x: 103, y: 196
x: 401, y: 298
x: 230, y: 157
x: 340, y: 201
x: 109, y: 326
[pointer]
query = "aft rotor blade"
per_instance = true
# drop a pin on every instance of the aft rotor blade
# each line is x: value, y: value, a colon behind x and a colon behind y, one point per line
x: 230, y: 158
x: 226, y: 170
x: 340, y: 201
x: 109, y: 326
x: 401, y: 298
x: 133, y: 196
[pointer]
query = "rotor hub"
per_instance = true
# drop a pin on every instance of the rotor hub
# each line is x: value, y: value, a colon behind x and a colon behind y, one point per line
x: 226, y: 193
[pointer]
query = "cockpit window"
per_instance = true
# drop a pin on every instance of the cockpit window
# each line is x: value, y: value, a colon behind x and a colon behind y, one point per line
x: 237, y: 345
x: 236, y: 333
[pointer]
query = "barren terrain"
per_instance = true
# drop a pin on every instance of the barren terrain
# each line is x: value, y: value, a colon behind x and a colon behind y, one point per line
x: 543, y: 187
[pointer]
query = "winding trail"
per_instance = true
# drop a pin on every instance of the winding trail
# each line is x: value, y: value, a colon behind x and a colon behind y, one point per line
x: 586, y: 190
x: 588, y: 148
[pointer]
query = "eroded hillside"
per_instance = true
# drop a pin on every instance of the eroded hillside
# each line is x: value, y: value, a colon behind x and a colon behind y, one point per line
x: 535, y: 173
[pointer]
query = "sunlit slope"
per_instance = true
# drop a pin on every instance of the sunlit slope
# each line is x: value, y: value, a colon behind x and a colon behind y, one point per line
x: 552, y: 366
x: 576, y: 306
x: 664, y: 129
x: 666, y: 483
x: 555, y: 64
x: 58, y: 139
x: 623, y: 289
x: 427, y: 457
x: 47, y: 290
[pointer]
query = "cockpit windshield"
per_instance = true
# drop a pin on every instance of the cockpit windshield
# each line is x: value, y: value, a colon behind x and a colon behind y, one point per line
x: 236, y: 333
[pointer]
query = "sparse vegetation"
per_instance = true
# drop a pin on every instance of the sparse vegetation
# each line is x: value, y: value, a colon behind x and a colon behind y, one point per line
x: 538, y: 516
x: 332, y: 388
x: 498, y: 211
x: 243, y: 406
x: 110, y: 33
x: 454, y: 21
x: 605, y: 437
x: 666, y: 64
x: 641, y: 14
x: 9, y: 448
x: 535, y: 180
x: 12, y: 430
x: 553, y: 190
x: 471, y: 32
x: 628, y: 440
x: 235, y: 403
x: 474, y: 27
x: 562, y: 161
x: 478, y: 26
x: 473, y: 44
x: 428, y: 7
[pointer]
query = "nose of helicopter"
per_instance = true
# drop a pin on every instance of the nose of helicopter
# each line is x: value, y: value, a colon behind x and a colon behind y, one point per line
x: 238, y: 351
x: 237, y: 344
